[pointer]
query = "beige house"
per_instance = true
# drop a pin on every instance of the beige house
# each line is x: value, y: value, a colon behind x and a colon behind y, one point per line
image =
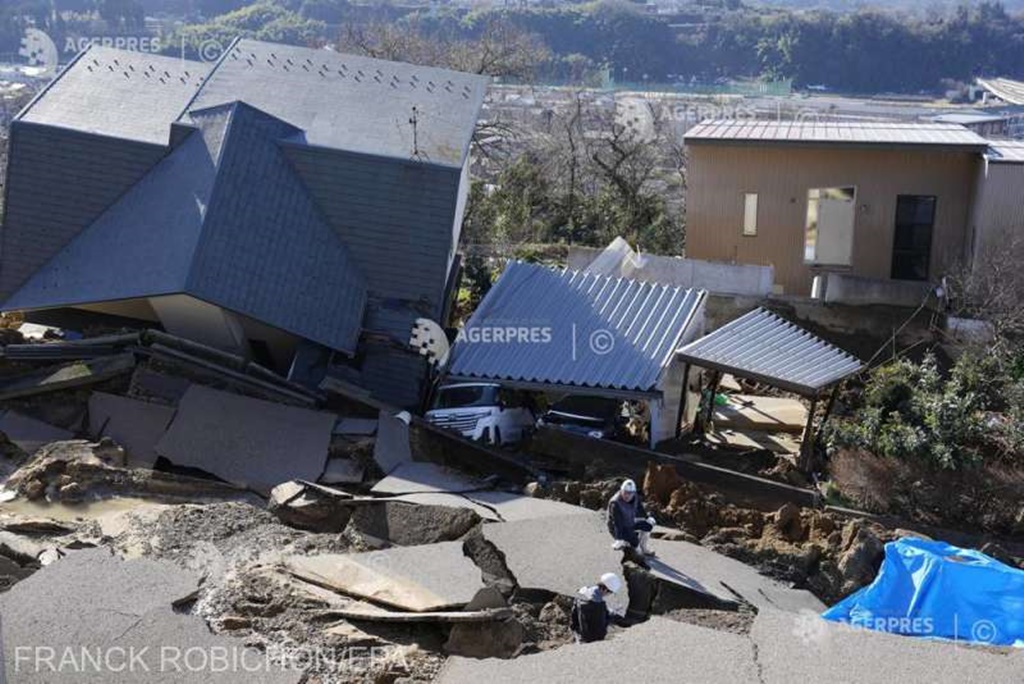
x: 880, y: 201
x: 998, y: 212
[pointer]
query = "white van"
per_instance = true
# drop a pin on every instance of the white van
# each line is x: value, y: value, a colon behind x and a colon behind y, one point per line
x: 483, y: 411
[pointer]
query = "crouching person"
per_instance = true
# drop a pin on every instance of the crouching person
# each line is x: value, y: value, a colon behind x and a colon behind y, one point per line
x: 628, y: 520
x: 590, y: 615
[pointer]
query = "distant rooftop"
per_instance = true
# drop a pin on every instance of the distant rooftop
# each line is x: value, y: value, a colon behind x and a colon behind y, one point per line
x: 1005, y: 89
x: 1006, y: 151
x: 835, y: 132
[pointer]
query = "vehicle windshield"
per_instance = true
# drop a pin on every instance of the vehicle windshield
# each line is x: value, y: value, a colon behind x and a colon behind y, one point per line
x: 466, y: 396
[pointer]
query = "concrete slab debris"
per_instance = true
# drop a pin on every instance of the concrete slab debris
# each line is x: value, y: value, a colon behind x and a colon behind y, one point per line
x: 356, y: 427
x: 513, y: 507
x: 776, y: 442
x: 748, y: 412
x: 392, y: 447
x: 30, y: 434
x: 92, y: 600
x: 135, y: 425
x: 79, y: 374
x: 408, y: 524
x: 434, y: 577
x: 557, y: 554
x: 808, y: 649
x: 658, y: 650
x: 343, y: 471
x: 150, y: 384
x: 726, y: 578
x: 449, y: 500
x: 249, y: 442
x: 411, y: 478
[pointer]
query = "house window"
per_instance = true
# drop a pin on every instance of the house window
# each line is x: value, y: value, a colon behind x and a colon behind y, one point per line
x: 829, y: 228
x: 912, y: 244
x: 750, y: 213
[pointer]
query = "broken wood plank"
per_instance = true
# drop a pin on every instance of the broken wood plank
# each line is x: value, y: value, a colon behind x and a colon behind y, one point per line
x: 69, y: 376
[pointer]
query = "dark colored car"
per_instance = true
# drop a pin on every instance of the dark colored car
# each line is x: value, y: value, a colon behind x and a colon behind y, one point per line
x: 597, y: 417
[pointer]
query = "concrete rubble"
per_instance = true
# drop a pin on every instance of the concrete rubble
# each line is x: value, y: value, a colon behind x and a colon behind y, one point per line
x: 419, y: 578
x: 135, y: 425
x: 658, y: 650
x: 242, y: 440
x: 94, y: 602
x: 200, y: 517
x: 29, y: 433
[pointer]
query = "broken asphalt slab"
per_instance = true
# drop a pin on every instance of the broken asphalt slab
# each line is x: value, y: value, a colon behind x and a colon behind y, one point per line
x: 806, y: 648
x: 92, y: 603
x: 135, y: 425
x: 30, y: 434
x: 392, y: 447
x: 557, y: 554
x: 726, y: 578
x: 434, y: 577
x: 356, y: 427
x: 416, y: 478
x: 249, y: 442
x: 658, y: 650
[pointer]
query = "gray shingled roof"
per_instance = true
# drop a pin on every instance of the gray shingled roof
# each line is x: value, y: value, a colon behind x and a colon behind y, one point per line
x: 119, y: 93
x: 602, y: 332
x: 835, y: 133
x: 765, y: 347
x: 222, y: 218
x: 353, y: 103
x: 1006, y: 152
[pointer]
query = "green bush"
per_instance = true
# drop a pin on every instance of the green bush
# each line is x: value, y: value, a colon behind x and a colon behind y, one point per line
x: 911, y: 410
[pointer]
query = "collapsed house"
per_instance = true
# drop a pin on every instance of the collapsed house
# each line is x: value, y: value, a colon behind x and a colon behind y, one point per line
x: 295, y: 206
x: 580, y: 333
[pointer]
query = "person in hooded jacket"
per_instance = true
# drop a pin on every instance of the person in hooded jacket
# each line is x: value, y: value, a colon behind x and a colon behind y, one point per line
x: 628, y: 522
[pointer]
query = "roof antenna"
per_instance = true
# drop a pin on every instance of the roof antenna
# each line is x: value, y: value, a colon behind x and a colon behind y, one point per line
x: 414, y: 120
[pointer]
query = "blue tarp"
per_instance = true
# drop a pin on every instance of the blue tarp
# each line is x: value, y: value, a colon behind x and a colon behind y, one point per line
x: 934, y: 589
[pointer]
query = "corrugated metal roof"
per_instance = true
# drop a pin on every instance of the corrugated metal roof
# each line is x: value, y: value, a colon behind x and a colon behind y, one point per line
x: 1005, y: 89
x: 765, y: 347
x: 581, y: 330
x: 835, y: 132
x: 1006, y: 152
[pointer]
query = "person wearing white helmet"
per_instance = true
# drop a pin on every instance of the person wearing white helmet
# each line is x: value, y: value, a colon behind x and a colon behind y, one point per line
x: 590, y: 615
x: 628, y: 521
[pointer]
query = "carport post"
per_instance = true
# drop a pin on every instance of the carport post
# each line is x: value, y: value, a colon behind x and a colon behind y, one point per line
x: 709, y: 410
x: 807, y: 445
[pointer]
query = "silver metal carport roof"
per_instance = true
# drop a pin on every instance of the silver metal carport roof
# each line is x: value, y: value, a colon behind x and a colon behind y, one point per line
x: 541, y: 328
x: 765, y: 347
